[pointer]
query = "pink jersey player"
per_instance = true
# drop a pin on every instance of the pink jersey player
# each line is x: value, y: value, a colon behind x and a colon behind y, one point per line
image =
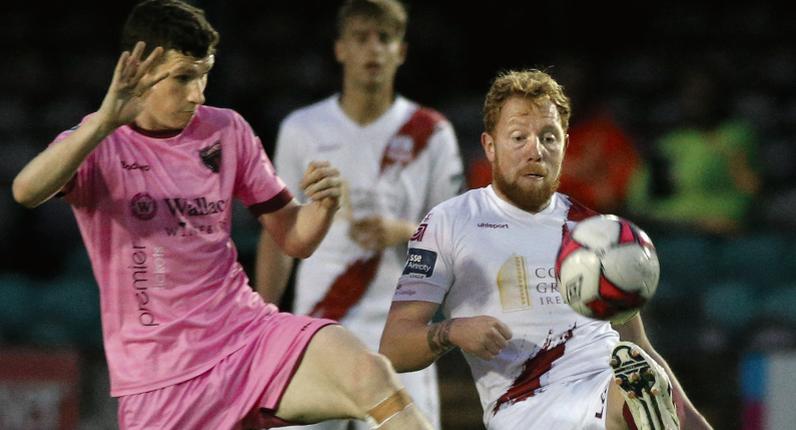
x: 151, y: 177
x: 174, y: 298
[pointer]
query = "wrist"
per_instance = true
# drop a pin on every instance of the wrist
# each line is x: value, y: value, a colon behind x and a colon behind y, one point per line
x: 439, y: 337
x: 99, y: 126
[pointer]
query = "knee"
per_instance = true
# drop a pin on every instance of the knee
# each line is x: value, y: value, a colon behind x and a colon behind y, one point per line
x: 374, y: 379
x: 374, y: 369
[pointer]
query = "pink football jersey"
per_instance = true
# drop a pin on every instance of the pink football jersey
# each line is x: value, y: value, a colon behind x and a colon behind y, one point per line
x: 154, y: 213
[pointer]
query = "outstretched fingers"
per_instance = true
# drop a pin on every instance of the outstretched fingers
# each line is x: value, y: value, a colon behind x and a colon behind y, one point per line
x: 133, y: 62
x: 147, y: 65
x: 132, y: 74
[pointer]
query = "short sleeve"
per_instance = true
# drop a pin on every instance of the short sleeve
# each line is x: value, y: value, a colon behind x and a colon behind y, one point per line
x: 289, y: 159
x: 256, y: 182
x: 428, y: 272
x: 78, y: 191
x: 447, y: 171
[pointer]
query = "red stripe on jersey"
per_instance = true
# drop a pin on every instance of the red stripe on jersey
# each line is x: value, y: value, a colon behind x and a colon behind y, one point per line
x: 347, y: 290
x: 532, y: 370
x: 578, y: 212
x: 419, y: 128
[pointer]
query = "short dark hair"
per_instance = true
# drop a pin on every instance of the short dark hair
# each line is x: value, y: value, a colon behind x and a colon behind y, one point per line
x: 172, y: 24
x: 390, y: 13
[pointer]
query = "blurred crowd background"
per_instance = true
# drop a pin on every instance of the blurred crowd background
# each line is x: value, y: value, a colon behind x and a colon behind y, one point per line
x: 684, y: 121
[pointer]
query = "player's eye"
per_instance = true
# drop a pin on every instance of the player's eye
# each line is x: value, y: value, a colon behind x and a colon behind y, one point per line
x: 184, y: 79
x: 361, y: 37
x: 549, y: 138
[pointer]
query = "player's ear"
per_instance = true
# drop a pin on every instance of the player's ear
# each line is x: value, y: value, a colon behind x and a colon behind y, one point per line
x: 488, y: 143
x: 402, y: 55
x: 566, y: 142
x: 339, y: 51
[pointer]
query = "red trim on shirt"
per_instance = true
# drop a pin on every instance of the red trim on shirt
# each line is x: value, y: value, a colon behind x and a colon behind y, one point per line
x: 280, y: 200
x: 347, y: 290
x: 579, y: 212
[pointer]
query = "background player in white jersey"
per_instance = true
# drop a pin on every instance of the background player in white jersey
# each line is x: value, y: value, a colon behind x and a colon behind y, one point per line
x: 487, y: 259
x: 396, y: 159
x: 150, y: 176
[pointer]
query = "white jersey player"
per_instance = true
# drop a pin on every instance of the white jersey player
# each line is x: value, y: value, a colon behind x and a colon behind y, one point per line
x: 498, y: 245
x: 396, y: 159
x: 486, y: 259
x: 397, y: 168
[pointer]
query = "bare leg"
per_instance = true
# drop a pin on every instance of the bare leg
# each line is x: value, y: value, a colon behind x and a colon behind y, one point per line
x: 340, y: 378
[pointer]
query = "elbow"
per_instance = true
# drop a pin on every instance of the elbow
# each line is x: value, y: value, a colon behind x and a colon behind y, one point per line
x: 22, y: 195
x: 303, y: 253
x: 299, y: 251
x: 386, y: 348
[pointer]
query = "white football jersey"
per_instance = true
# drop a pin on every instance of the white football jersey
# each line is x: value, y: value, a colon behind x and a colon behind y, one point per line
x: 399, y: 167
x: 477, y: 254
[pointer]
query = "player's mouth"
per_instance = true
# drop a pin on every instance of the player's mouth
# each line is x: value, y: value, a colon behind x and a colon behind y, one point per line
x: 534, y: 175
x: 373, y: 66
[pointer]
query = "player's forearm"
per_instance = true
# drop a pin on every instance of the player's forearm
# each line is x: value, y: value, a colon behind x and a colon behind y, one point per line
x: 49, y: 171
x: 411, y: 345
x: 399, y: 232
x: 272, y: 269
x: 312, y: 223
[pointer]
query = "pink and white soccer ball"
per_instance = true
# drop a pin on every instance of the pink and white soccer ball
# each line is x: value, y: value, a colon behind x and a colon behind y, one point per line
x: 607, y: 268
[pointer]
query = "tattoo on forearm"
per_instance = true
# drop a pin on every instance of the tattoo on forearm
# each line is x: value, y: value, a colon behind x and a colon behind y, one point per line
x: 439, y: 337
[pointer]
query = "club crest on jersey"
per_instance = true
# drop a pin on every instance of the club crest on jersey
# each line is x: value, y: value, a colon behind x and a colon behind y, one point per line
x: 418, y: 235
x: 420, y: 263
x: 399, y: 149
x: 211, y: 156
x: 143, y: 206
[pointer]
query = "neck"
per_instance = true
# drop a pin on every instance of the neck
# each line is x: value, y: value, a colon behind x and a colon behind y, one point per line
x: 156, y: 133
x: 366, y: 105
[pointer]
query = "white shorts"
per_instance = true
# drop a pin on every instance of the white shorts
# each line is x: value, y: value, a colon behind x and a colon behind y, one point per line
x: 421, y: 385
x: 580, y: 405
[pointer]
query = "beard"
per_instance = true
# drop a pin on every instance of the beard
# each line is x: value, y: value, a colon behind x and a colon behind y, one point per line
x: 530, y: 200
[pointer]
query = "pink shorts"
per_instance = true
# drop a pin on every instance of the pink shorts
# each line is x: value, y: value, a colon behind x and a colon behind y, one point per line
x: 242, y: 391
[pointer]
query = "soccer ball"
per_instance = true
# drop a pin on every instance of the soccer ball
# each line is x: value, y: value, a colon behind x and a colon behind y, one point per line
x: 607, y: 268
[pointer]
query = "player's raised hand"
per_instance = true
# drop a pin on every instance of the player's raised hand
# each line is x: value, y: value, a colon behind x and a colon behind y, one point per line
x: 482, y: 336
x: 132, y: 78
x: 322, y: 184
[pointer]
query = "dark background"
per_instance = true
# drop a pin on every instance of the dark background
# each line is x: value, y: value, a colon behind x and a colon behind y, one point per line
x: 275, y: 57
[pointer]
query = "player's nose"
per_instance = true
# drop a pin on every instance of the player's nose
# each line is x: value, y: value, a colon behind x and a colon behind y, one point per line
x: 533, y: 149
x: 196, y: 94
